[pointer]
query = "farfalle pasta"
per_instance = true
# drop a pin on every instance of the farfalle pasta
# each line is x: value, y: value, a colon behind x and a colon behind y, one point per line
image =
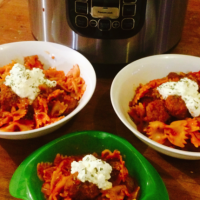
x: 50, y: 102
x: 59, y: 183
x: 170, y: 117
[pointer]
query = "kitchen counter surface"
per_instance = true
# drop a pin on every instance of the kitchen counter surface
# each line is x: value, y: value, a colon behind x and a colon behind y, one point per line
x: 181, y: 177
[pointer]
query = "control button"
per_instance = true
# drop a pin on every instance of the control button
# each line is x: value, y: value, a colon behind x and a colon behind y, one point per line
x: 116, y: 24
x: 104, y: 25
x: 81, y: 21
x: 129, y: 10
x: 128, y: 24
x: 81, y: 7
x: 93, y: 23
x: 130, y: 1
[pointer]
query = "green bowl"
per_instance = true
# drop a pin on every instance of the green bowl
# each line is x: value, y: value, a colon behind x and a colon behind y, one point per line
x: 26, y: 185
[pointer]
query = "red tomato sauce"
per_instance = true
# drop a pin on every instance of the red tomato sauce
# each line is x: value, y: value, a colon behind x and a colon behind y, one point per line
x: 60, y: 184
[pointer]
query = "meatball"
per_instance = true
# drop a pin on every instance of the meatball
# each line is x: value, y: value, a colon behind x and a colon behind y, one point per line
x: 87, y: 191
x: 156, y: 111
x: 174, y: 76
x: 176, y: 107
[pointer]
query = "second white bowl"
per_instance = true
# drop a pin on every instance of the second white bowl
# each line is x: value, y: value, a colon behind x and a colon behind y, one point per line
x: 142, y: 71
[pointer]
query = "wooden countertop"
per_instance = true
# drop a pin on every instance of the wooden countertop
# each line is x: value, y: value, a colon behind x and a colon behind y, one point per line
x: 181, y: 177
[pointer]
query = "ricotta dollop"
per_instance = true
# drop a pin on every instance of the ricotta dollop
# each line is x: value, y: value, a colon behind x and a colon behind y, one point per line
x: 25, y: 82
x: 187, y: 89
x: 93, y: 170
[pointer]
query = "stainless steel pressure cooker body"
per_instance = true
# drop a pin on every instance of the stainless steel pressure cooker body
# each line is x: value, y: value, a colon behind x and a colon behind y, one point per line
x: 110, y: 31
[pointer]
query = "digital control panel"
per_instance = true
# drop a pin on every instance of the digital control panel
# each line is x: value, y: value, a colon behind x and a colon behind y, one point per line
x: 106, y: 19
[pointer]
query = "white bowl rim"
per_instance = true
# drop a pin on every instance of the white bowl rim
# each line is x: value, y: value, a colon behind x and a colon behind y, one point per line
x: 136, y: 132
x: 67, y: 117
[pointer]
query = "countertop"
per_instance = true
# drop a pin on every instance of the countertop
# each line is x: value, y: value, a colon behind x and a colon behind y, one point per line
x: 181, y: 177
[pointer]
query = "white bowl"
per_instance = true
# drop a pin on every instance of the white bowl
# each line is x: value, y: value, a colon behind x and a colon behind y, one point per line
x: 51, y: 55
x: 142, y: 71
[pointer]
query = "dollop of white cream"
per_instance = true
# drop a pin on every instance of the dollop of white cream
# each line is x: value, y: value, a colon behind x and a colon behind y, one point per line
x: 25, y: 82
x: 187, y: 89
x: 93, y: 170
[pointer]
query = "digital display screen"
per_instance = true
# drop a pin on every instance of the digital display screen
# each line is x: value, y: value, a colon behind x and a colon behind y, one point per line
x: 105, y: 3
